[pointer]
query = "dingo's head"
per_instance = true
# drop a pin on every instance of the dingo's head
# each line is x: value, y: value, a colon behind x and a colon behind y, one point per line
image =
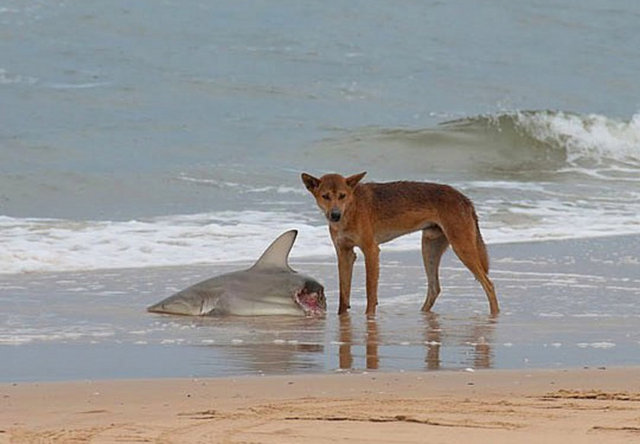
x: 333, y: 193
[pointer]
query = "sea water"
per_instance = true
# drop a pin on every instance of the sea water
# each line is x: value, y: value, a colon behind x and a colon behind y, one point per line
x: 161, y: 133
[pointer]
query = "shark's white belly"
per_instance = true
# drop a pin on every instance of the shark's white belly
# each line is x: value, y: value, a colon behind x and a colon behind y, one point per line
x: 269, y: 305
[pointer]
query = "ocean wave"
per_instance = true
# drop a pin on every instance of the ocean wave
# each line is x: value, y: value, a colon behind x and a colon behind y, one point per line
x: 592, y: 137
x: 80, y: 85
x: 518, y: 142
x: 242, y: 188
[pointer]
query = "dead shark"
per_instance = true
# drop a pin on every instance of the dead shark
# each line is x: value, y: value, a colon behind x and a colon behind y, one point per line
x: 269, y: 287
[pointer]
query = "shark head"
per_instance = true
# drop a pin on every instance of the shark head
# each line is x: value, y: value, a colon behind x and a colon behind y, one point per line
x: 310, y: 298
x: 179, y: 305
x: 309, y: 294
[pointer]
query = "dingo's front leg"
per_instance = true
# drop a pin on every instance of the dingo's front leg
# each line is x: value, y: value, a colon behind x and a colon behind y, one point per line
x: 372, y: 267
x: 346, y: 258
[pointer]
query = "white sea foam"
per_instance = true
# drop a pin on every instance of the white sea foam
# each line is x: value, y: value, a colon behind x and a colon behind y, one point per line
x: 57, y: 244
x: 7, y: 78
x: 83, y: 85
x: 73, y: 333
x: 603, y: 344
x: 546, y: 219
x: 35, y: 244
x: 553, y: 314
x: 593, y: 137
x: 499, y: 184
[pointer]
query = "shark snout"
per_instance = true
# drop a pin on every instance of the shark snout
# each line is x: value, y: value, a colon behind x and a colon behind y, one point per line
x: 173, y: 307
x: 156, y: 308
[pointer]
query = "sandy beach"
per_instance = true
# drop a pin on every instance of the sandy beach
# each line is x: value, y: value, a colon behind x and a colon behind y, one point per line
x: 499, y: 406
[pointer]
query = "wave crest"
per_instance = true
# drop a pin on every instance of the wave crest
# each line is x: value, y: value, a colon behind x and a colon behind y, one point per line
x: 585, y: 137
x: 582, y: 138
x: 518, y: 142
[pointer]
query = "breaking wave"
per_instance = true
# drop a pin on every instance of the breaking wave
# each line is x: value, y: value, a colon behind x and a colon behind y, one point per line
x: 518, y: 142
x: 590, y: 139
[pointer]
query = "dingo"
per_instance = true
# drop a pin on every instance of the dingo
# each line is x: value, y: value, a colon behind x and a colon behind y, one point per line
x: 368, y: 214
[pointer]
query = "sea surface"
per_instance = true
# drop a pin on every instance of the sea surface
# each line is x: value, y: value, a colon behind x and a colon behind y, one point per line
x: 137, y: 135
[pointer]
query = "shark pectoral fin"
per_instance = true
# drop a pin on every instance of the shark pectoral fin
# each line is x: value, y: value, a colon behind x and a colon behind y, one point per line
x: 277, y: 254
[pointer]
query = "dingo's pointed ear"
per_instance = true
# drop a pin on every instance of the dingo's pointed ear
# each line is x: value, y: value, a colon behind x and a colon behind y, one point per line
x: 352, y: 181
x: 310, y: 182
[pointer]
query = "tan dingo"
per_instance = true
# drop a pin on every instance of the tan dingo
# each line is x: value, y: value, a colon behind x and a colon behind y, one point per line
x: 369, y: 214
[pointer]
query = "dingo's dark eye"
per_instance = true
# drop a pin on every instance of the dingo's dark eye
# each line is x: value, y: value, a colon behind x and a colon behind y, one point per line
x: 326, y: 197
x: 341, y: 196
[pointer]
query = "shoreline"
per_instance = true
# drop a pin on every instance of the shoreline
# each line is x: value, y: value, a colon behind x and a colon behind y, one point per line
x: 498, y: 406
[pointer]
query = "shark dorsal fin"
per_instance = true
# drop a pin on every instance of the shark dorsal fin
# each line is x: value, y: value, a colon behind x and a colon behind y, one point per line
x: 277, y: 254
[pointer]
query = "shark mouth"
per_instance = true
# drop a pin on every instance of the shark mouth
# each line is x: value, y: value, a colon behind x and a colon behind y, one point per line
x: 313, y: 303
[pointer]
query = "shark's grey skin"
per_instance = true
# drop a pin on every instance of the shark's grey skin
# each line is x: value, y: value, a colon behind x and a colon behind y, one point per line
x: 269, y: 287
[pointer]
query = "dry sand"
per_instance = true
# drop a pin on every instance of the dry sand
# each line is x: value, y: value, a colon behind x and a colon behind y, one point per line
x: 496, y: 406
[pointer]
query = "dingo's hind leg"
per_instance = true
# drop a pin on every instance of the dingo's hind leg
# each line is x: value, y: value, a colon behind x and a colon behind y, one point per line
x: 434, y: 244
x: 467, y: 243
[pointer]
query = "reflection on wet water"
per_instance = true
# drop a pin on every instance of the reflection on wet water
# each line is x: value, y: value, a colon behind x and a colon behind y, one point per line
x: 398, y: 339
x: 346, y: 343
x: 475, y: 345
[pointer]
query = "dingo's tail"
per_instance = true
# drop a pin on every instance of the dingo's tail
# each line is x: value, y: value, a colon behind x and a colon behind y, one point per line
x: 482, y: 248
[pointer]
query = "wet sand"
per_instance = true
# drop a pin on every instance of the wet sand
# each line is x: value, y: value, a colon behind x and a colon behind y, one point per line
x: 493, y: 406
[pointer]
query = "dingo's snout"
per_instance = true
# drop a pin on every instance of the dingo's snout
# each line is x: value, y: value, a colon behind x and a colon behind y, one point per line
x: 335, y: 214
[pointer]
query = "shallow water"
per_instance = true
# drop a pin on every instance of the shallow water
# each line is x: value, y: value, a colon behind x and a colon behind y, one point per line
x: 564, y: 304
